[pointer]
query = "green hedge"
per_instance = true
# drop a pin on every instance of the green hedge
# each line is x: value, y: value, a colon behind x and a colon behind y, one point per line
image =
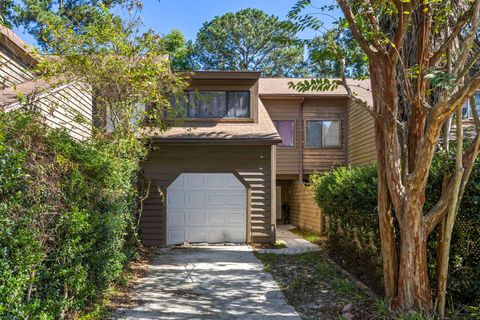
x: 348, y: 199
x: 67, y: 217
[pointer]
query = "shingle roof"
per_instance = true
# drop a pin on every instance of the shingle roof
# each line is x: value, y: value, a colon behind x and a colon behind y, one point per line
x: 262, y: 132
x: 273, y: 87
x: 29, y: 90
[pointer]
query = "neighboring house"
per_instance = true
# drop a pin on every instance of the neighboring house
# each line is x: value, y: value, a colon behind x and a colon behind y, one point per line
x: 61, y: 105
x: 247, y: 146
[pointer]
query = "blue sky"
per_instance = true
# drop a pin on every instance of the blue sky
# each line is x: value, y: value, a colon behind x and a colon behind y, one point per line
x: 189, y: 15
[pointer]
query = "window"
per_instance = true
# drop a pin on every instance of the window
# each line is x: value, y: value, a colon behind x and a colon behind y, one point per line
x: 322, y: 133
x: 215, y: 104
x: 286, y: 129
x: 467, y: 112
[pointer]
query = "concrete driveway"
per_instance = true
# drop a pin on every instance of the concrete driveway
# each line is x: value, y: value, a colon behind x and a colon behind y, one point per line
x: 214, y: 282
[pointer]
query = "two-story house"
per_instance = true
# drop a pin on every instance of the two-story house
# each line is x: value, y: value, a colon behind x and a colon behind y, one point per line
x: 245, y: 148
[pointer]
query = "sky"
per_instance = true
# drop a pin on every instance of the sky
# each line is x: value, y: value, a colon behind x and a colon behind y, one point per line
x: 189, y: 15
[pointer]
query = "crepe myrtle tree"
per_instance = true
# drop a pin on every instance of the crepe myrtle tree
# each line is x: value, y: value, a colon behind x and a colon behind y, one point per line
x: 128, y: 71
x: 423, y: 65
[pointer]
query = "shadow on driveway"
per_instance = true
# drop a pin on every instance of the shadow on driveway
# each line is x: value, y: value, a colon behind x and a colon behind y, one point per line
x: 214, y: 282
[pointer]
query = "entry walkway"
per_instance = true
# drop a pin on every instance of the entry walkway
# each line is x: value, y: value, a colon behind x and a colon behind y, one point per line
x: 295, y: 244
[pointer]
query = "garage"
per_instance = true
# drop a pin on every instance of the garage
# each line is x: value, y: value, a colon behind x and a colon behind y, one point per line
x: 206, y: 207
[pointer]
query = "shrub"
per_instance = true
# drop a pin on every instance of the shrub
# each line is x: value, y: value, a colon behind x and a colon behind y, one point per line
x: 347, y: 197
x: 67, y: 213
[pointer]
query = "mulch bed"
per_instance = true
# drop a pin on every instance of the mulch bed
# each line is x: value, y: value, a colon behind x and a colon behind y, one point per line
x: 318, y: 290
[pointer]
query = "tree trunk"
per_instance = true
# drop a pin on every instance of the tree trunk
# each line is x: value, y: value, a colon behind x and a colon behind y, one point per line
x: 413, y: 284
x: 385, y: 220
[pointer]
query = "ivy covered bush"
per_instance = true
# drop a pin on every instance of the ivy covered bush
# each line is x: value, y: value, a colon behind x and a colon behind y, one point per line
x: 67, y: 215
x: 347, y: 197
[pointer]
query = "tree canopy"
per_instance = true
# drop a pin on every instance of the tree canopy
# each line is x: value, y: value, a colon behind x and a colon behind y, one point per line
x: 423, y: 65
x: 250, y: 40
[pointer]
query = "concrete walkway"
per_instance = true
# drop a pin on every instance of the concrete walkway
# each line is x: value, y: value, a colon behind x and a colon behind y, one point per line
x: 295, y: 244
x: 213, y: 282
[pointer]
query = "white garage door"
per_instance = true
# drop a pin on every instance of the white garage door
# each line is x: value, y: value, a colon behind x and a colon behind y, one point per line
x: 206, y: 207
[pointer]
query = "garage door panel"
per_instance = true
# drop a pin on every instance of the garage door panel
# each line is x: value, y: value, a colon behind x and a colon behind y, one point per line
x: 206, y: 207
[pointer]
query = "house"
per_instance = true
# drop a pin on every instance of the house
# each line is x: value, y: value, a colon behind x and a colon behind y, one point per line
x: 246, y: 148
x: 61, y: 105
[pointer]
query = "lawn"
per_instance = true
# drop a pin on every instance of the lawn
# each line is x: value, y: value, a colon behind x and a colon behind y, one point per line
x: 318, y: 291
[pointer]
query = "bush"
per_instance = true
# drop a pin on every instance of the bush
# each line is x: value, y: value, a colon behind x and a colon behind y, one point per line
x: 67, y: 214
x: 348, y: 199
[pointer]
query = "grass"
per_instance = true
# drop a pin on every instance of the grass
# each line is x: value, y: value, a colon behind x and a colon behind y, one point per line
x: 316, y: 288
x: 311, y: 236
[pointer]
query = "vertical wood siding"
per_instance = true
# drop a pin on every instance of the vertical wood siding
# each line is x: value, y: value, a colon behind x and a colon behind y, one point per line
x: 361, y: 140
x: 321, y: 159
x: 304, y: 212
x: 251, y: 162
x: 288, y: 159
x: 12, y: 71
x: 68, y: 107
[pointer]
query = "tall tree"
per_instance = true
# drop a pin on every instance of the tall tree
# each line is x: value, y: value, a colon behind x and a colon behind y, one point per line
x: 327, y: 51
x: 423, y: 64
x: 181, y: 51
x: 250, y: 40
x: 37, y: 15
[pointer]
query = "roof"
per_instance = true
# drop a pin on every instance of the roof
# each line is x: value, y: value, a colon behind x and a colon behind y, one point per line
x: 225, y: 74
x: 279, y: 87
x: 262, y: 132
x: 28, y: 90
x: 13, y: 43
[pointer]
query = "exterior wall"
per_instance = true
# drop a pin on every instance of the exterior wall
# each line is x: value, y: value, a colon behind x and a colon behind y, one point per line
x: 68, y: 107
x: 304, y: 212
x: 361, y: 140
x: 251, y: 162
x: 12, y: 71
x: 288, y: 158
x: 322, y: 159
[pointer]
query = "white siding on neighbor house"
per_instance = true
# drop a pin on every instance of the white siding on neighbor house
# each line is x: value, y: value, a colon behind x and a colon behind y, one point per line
x: 64, y: 107
x: 12, y: 70
x: 361, y: 136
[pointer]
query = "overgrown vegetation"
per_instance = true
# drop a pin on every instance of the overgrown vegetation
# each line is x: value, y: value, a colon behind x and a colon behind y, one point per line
x: 67, y: 211
x: 348, y: 199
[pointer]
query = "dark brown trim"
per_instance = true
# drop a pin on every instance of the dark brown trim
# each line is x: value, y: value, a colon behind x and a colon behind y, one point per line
x: 176, y: 141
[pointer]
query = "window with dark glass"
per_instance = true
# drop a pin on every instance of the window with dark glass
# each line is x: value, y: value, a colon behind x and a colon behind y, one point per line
x: 322, y: 133
x: 215, y: 104
x: 286, y: 129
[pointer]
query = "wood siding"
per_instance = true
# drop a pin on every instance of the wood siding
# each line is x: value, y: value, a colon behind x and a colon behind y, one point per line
x: 68, y: 107
x: 288, y: 158
x: 12, y: 71
x: 361, y: 140
x: 251, y: 162
x: 304, y: 212
x: 322, y: 159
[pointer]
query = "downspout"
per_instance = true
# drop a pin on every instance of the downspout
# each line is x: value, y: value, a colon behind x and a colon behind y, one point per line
x: 300, y: 143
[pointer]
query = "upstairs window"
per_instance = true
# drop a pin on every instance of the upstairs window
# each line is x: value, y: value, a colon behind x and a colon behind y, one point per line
x: 216, y: 104
x: 286, y: 129
x: 322, y: 134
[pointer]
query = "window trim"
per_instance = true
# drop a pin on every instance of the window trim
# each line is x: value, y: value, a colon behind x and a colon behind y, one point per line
x: 339, y: 146
x: 249, y: 118
x: 294, y: 132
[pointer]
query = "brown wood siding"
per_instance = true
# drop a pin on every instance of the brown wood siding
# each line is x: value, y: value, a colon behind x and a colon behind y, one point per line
x: 288, y: 158
x: 361, y: 140
x: 252, y: 163
x: 12, y: 71
x: 321, y: 159
x: 63, y: 107
x: 304, y: 212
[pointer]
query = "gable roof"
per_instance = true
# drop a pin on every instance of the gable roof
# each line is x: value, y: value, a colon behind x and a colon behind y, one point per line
x: 13, y: 43
x: 263, y: 132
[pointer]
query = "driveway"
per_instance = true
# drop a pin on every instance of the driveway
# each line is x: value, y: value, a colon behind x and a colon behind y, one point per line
x: 214, y: 282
